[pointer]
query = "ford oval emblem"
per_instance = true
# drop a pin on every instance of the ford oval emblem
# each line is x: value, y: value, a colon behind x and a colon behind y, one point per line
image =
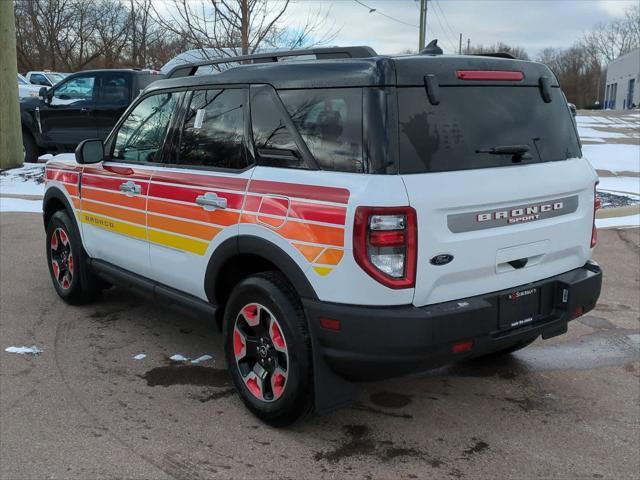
x: 441, y: 259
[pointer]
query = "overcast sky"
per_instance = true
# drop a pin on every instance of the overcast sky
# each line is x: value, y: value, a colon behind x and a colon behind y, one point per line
x: 533, y: 25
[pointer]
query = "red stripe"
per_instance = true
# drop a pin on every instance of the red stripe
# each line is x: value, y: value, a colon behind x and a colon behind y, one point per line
x: 312, y: 192
x: 110, y: 183
x: 62, y: 176
x: 119, y: 171
x: 63, y: 166
x: 202, y: 180
x: 318, y: 213
x: 189, y: 194
x: 274, y: 206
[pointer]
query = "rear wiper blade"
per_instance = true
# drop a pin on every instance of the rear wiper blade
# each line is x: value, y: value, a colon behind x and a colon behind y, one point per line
x: 505, y: 150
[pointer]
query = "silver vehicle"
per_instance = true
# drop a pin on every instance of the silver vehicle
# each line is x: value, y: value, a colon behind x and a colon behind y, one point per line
x: 25, y: 89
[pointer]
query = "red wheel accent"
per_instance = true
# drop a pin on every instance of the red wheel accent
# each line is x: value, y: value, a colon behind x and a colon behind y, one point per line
x: 63, y: 237
x: 276, y: 336
x: 254, y: 387
x: 65, y: 282
x: 54, y: 241
x: 70, y: 263
x: 239, y: 345
x: 277, y: 384
x: 250, y: 313
x: 55, y: 268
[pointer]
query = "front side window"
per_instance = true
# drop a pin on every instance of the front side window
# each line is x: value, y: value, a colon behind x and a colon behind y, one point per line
x: 274, y: 141
x: 330, y: 123
x: 141, y: 135
x: 78, y: 89
x: 213, y: 133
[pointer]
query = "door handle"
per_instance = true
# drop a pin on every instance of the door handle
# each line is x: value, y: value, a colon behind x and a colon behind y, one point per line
x: 130, y: 189
x: 211, y: 201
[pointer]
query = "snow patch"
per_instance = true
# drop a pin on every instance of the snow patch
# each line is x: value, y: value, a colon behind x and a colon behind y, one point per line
x: 613, y: 157
x: 26, y: 180
x: 178, y: 358
x: 140, y: 356
x: 629, y: 186
x: 24, y: 350
x: 628, y: 221
x: 203, y: 358
x: 8, y: 204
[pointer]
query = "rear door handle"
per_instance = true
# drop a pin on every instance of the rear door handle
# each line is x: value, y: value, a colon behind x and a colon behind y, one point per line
x: 210, y: 201
x: 130, y: 189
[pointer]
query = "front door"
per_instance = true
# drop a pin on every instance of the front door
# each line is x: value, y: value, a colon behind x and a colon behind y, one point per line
x: 196, y: 198
x: 114, y: 192
x: 66, y: 119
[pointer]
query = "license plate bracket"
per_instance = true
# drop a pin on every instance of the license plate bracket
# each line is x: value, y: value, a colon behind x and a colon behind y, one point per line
x: 519, y: 308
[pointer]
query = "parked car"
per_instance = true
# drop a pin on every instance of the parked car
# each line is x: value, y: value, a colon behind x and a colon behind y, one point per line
x: 83, y: 105
x: 25, y: 89
x: 351, y: 217
x: 45, y: 78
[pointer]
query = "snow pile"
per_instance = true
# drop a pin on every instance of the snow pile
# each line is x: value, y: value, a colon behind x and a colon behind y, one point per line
x: 24, y: 350
x: 181, y: 358
x: 8, y: 204
x: 628, y: 221
x: 26, y: 180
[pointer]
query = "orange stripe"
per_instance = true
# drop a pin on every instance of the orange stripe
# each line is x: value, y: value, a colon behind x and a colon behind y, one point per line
x: 204, y: 232
x: 115, y: 212
x: 219, y: 217
x: 114, y: 198
x: 71, y: 189
x: 331, y: 256
x: 76, y: 202
x: 306, y: 232
x: 309, y: 251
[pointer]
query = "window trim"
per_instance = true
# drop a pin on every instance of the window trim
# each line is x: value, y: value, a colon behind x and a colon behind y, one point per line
x: 173, y: 145
x: 109, y: 144
x: 305, y: 153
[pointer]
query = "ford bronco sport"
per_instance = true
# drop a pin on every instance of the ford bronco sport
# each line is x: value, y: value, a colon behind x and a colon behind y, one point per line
x: 349, y: 216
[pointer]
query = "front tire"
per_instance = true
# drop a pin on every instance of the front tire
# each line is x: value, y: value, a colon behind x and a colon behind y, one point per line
x: 268, y: 350
x: 29, y: 148
x: 73, y: 281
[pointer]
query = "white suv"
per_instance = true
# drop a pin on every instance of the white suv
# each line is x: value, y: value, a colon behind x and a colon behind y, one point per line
x: 354, y: 216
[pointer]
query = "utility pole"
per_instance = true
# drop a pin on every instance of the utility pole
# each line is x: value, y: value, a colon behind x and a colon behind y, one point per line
x: 10, y: 132
x: 468, y: 46
x: 423, y: 24
x: 460, y: 45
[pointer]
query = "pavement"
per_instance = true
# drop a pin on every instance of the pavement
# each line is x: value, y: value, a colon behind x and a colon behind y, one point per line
x: 568, y: 407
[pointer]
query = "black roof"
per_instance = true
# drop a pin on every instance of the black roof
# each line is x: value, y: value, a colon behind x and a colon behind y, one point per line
x: 373, y: 71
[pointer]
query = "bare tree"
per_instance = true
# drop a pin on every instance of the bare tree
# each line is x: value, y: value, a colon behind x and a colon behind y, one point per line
x: 239, y: 27
x: 608, y: 40
x: 500, y: 47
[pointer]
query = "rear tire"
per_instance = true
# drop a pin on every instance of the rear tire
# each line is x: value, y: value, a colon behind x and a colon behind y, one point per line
x: 72, y: 279
x: 29, y: 147
x: 268, y: 350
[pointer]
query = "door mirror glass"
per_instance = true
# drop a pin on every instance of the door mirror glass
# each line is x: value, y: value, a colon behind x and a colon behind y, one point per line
x: 90, y: 151
x: 43, y: 93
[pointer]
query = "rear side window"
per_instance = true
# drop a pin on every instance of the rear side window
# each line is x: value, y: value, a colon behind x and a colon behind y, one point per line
x: 213, y: 133
x: 330, y: 123
x: 116, y: 88
x: 460, y: 132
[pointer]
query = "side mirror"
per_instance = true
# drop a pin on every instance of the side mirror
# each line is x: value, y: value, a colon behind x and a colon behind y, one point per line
x: 43, y: 93
x: 573, y: 109
x: 90, y: 151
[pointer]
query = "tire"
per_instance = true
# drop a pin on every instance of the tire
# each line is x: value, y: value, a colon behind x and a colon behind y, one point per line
x: 270, y: 365
x: 31, y: 151
x: 71, y: 277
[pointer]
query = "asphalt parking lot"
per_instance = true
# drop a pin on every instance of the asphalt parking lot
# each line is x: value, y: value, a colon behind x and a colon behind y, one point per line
x: 564, y: 408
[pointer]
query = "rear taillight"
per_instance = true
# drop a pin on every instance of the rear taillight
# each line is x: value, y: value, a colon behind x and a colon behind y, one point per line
x: 385, y: 244
x: 500, y: 75
x: 597, y: 204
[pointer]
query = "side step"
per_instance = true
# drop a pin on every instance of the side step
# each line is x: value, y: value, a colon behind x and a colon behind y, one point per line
x: 151, y: 290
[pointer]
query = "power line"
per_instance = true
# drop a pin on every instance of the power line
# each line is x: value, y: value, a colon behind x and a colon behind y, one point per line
x: 444, y: 32
x: 444, y: 16
x: 375, y: 10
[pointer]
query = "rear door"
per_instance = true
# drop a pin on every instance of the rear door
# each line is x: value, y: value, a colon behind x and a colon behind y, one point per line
x: 196, y: 197
x: 491, y: 162
x: 114, y: 192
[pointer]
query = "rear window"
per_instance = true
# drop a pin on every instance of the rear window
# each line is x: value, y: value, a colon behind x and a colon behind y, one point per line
x: 470, y: 121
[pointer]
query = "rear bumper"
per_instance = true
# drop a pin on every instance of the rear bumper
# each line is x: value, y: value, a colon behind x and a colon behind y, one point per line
x: 381, y: 342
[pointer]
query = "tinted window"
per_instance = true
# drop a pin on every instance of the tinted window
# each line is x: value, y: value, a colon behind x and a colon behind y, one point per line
x: 213, y: 131
x: 141, y: 135
x: 330, y: 122
x: 116, y: 88
x: 78, y: 89
x: 274, y: 142
x: 457, y: 133
x: 54, y: 78
x: 39, y: 79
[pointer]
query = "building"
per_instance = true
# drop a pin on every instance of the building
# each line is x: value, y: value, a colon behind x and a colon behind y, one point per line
x: 623, y: 75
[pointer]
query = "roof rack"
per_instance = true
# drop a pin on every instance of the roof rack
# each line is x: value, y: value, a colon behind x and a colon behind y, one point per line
x: 496, y: 54
x: 189, y: 69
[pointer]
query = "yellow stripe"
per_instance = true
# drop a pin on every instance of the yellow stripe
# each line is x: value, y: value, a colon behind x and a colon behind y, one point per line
x: 323, y: 271
x: 178, y: 242
x: 115, y: 226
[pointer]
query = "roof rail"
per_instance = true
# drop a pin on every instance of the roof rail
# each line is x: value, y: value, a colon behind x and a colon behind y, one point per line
x: 495, y: 54
x: 189, y: 69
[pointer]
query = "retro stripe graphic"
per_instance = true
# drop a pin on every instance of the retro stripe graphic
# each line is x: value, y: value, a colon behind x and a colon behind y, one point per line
x: 312, y: 218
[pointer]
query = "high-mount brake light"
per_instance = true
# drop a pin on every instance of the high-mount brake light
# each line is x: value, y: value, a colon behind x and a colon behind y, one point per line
x: 502, y: 75
x: 385, y: 244
x: 597, y: 205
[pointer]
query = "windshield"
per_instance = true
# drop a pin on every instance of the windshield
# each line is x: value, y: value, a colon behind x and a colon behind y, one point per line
x: 55, y: 77
x: 22, y: 80
x: 481, y: 127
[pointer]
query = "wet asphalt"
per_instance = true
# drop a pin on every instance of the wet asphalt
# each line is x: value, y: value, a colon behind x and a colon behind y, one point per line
x: 568, y: 407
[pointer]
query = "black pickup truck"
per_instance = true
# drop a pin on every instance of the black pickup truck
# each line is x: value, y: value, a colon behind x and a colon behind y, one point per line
x: 84, y: 105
